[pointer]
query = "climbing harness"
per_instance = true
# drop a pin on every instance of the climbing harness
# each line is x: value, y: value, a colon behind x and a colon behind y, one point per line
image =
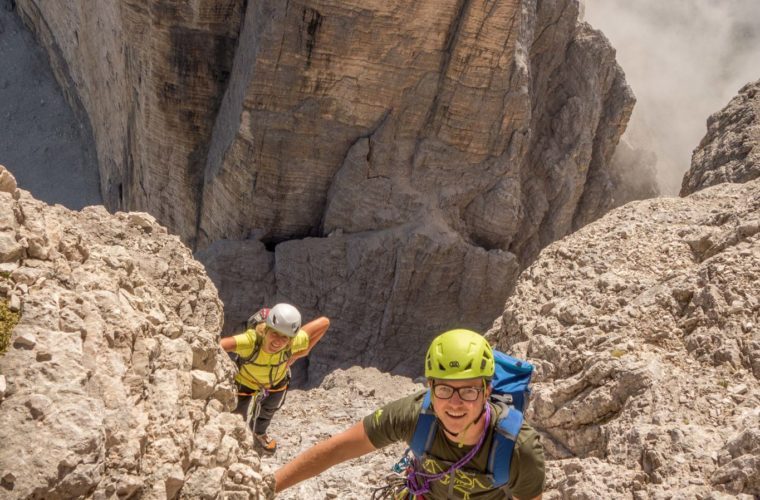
x: 510, y: 392
x: 394, y: 488
x: 414, y: 473
x: 258, y: 318
x: 408, y: 482
x: 257, y: 396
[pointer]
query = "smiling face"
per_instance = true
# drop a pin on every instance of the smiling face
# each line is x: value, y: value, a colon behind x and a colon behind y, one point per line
x: 274, y: 341
x: 457, y: 413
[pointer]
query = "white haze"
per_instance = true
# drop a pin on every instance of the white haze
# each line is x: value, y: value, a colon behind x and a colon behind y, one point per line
x: 684, y: 60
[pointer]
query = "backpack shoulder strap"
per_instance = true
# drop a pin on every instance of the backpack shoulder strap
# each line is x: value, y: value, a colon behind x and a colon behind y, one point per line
x: 505, y: 436
x: 255, y: 352
x: 425, y: 429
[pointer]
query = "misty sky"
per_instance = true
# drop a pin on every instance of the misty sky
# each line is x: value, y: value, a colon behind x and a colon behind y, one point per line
x: 684, y: 60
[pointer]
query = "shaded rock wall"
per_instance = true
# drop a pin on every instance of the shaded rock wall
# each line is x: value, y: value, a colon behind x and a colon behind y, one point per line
x: 428, y: 140
x: 730, y: 150
x: 643, y: 327
x: 114, y: 385
x: 49, y: 146
x: 149, y: 76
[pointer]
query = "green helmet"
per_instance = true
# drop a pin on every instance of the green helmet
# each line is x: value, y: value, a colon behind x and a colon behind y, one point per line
x: 459, y: 354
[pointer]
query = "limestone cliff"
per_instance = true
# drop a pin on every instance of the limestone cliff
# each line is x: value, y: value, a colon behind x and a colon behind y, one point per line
x: 644, y: 330
x: 114, y: 385
x: 730, y: 151
x: 643, y: 327
x: 355, y: 158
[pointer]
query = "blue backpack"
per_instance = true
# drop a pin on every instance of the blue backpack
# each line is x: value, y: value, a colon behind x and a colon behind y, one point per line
x: 510, y: 389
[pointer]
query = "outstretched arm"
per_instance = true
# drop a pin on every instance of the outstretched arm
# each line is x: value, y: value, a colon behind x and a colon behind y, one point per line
x: 315, y: 329
x: 228, y: 344
x: 348, y: 444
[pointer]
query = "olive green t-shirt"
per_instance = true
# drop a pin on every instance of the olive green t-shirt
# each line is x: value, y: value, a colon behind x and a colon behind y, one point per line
x: 396, y: 422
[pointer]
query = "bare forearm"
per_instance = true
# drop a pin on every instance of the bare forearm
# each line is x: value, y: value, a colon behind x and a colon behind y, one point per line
x: 309, y: 464
x: 345, y: 446
x: 316, y: 329
x: 228, y: 344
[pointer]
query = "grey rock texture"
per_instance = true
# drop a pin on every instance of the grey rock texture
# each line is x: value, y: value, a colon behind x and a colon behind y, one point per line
x: 342, y: 399
x: 643, y: 327
x: 424, y: 137
x: 49, y: 147
x: 730, y: 151
x: 114, y: 386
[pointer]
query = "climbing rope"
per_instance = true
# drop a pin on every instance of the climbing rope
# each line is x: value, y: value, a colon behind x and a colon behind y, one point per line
x: 394, y: 488
x: 413, y: 475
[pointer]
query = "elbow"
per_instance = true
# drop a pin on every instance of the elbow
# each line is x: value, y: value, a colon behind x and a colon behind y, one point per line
x: 321, y: 324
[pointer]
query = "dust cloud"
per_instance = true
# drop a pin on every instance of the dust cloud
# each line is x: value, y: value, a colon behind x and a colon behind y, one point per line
x: 684, y: 60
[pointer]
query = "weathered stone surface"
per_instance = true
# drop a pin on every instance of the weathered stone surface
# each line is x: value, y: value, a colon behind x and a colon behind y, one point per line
x: 385, y: 288
x: 642, y: 329
x: 269, y: 122
x: 8, y: 182
x: 730, y: 151
x: 343, y: 397
x: 100, y: 403
x: 244, y: 273
x: 149, y: 77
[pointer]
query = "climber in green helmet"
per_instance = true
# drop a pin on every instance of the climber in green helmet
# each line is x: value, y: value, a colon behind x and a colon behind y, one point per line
x: 459, y: 366
x: 273, y: 341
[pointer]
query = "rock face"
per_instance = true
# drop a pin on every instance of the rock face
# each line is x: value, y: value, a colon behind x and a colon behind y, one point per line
x: 343, y: 398
x: 114, y: 385
x: 730, y: 152
x: 48, y: 146
x: 425, y: 138
x: 643, y: 327
x: 644, y: 330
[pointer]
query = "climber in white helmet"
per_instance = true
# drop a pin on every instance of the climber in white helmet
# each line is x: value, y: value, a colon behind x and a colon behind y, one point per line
x: 273, y: 340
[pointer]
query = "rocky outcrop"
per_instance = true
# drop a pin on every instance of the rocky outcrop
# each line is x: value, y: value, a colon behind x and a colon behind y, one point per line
x: 422, y: 138
x: 730, y: 152
x: 114, y: 385
x: 643, y: 327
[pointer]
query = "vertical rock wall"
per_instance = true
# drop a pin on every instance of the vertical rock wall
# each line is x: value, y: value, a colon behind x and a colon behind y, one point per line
x: 439, y: 145
x: 149, y: 77
x: 729, y: 152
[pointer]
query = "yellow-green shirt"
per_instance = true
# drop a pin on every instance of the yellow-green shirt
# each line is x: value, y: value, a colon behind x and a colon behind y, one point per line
x: 266, y: 370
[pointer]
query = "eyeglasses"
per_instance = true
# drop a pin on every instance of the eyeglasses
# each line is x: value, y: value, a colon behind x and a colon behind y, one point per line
x: 443, y: 391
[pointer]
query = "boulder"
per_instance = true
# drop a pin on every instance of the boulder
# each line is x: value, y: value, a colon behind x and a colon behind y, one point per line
x: 97, y: 398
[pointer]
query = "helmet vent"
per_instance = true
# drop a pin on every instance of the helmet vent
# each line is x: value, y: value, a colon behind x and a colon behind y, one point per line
x: 441, y: 367
x: 469, y: 366
x: 482, y: 363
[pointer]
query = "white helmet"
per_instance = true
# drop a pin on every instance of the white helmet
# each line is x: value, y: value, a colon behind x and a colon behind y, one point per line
x: 284, y: 319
